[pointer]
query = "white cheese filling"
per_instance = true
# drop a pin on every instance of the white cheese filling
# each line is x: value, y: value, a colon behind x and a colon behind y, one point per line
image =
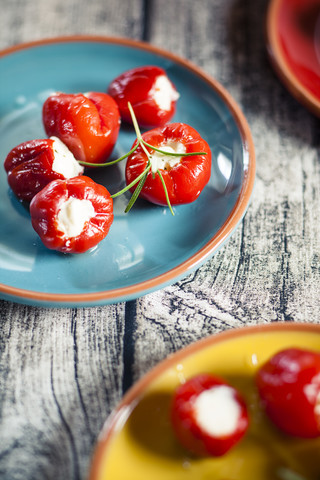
x: 64, y: 161
x: 73, y: 216
x: 217, y: 411
x: 166, y: 162
x: 164, y: 93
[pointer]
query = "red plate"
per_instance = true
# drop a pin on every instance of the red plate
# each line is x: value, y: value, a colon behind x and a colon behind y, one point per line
x: 293, y: 36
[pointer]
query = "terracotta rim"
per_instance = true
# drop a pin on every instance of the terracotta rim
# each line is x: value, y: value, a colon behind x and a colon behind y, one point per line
x: 139, y: 289
x: 128, y: 401
x: 280, y: 65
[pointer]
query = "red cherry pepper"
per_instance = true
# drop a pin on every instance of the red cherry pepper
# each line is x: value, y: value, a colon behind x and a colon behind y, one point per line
x: 150, y: 92
x: 184, y: 177
x: 88, y: 124
x: 289, y: 386
x: 73, y: 215
x: 31, y: 165
x: 208, y: 415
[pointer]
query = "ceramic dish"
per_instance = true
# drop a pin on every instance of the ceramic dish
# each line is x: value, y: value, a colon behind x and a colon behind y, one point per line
x: 293, y: 37
x: 137, y: 441
x: 147, y: 248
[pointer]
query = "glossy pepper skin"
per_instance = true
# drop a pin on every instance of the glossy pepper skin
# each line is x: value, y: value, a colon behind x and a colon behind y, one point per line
x: 29, y: 167
x: 184, y: 181
x: 140, y: 86
x: 289, y: 387
x: 46, y: 205
x: 189, y: 432
x: 88, y: 124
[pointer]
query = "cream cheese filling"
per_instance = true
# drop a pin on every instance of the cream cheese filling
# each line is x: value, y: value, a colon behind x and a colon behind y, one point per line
x: 217, y: 411
x: 164, y: 93
x: 64, y: 161
x: 160, y: 161
x: 73, y: 216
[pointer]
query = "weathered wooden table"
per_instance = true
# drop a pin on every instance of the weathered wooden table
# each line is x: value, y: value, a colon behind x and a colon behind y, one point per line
x: 63, y: 370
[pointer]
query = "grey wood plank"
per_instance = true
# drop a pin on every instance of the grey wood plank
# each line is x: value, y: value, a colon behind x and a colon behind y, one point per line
x: 23, y: 21
x: 61, y: 375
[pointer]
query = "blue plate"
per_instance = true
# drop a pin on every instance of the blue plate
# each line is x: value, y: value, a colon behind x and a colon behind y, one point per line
x: 147, y: 248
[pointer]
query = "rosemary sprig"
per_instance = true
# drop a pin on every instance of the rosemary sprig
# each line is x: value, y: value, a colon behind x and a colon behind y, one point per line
x: 143, y: 176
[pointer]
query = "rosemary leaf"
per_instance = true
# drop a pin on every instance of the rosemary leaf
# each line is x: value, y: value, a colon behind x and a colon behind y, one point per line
x: 136, y: 193
x: 165, y: 191
x: 132, y: 184
x: 113, y: 162
x: 171, y: 154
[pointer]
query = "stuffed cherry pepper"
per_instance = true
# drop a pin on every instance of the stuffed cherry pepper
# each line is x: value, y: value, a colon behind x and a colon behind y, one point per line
x: 87, y: 123
x: 152, y: 95
x: 208, y: 415
x: 72, y: 216
x: 181, y: 176
x: 31, y: 165
x: 289, y: 387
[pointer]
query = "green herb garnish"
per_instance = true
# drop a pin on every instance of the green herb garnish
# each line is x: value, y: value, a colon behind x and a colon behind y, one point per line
x: 140, y: 180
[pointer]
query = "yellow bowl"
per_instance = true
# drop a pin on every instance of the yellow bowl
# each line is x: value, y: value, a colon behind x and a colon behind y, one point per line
x: 137, y: 442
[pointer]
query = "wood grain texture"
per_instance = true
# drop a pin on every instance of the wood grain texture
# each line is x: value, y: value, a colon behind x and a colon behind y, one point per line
x: 63, y: 370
